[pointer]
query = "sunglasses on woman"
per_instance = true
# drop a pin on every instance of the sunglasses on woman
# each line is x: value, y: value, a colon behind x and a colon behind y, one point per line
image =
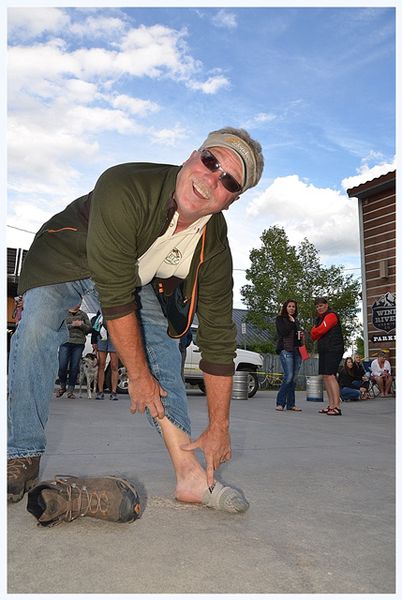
x: 212, y: 164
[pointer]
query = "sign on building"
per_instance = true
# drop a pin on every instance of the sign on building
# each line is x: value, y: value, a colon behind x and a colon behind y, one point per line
x: 384, y: 312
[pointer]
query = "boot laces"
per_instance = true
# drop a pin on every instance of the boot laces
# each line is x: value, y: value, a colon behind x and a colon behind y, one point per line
x: 15, y: 466
x: 81, y: 501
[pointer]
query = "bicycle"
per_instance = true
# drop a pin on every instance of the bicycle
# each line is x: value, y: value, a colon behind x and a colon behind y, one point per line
x: 268, y: 380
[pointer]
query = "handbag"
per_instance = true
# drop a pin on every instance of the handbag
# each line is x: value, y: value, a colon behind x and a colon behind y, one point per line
x: 303, y: 352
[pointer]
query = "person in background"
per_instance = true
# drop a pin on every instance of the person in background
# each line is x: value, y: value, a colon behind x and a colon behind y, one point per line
x: 102, y: 345
x: 381, y: 371
x: 78, y: 325
x: 290, y: 337
x: 327, y: 331
x: 350, y: 386
x: 18, y: 308
x: 360, y: 374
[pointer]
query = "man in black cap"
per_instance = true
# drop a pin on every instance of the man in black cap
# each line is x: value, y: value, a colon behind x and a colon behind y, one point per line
x: 327, y: 330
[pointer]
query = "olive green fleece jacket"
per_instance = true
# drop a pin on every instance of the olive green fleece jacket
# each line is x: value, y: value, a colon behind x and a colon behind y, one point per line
x: 77, y: 334
x: 101, y: 235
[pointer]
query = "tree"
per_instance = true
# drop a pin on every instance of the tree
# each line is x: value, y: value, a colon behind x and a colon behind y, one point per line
x: 280, y: 271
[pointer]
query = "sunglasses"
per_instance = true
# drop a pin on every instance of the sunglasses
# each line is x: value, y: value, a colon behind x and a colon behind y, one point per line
x: 212, y: 164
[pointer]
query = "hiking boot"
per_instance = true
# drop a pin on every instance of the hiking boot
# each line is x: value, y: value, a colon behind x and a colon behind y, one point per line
x: 70, y: 394
x: 22, y: 475
x: 113, y: 396
x: 60, y: 392
x: 100, y: 396
x: 68, y: 497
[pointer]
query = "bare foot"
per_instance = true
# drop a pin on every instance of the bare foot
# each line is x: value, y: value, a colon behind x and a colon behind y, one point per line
x: 191, y: 486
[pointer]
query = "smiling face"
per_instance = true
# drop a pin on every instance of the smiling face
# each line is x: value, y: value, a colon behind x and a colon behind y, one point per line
x: 199, y: 192
x: 349, y: 363
x: 291, y: 308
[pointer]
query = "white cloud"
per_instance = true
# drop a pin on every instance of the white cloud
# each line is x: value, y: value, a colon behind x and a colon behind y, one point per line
x: 324, y: 216
x: 156, y: 51
x: 211, y: 85
x: 264, y: 117
x: 26, y: 23
x: 25, y: 218
x: 225, y: 19
x: 79, y: 94
x: 96, y: 120
x: 366, y: 173
x: 135, y: 106
x: 47, y: 157
x: 98, y: 27
x: 168, y: 137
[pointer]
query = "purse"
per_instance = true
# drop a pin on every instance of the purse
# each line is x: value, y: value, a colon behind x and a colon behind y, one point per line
x: 303, y: 352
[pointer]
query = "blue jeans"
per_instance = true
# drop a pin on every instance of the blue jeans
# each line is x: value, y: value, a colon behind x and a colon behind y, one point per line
x: 69, y: 356
x: 350, y: 393
x: 33, y: 361
x: 291, y: 362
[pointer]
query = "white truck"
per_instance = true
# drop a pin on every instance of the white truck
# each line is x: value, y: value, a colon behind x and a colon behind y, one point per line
x: 245, y: 361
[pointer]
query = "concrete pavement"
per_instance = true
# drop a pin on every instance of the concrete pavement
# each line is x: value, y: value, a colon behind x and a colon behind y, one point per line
x: 321, y: 518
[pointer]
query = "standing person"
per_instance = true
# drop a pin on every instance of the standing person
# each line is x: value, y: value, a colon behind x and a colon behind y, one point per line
x: 351, y: 388
x: 102, y: 345
x: 78, y: 325
x: 381, y: 371
x: 150, y: 241
x: 327, y: 330
x: 289, y: 338
x: 18, y: 308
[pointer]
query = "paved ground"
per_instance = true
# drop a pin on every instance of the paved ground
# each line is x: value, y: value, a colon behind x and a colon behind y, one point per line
x: 321, y: 518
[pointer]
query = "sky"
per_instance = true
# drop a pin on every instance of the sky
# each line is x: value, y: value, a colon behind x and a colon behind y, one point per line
x: 92, y: 87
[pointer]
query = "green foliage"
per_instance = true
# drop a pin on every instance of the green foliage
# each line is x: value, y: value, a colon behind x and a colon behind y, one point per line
x: 263, y: 347
x: 360, y: 346
x: 280, y: 271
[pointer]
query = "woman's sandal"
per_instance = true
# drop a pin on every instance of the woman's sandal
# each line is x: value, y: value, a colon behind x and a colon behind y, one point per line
x: 324, y: 410
x: 279, y: 407
x: 334, y: 412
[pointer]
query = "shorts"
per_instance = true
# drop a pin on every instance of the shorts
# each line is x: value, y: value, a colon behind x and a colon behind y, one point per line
x: 106, y: 346
x: 328, y: 362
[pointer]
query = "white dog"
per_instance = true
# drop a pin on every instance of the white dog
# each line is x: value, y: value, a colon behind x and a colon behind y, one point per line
x: 89, y: 373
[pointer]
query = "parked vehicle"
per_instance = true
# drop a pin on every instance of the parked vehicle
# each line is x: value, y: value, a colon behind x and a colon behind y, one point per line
x: 245, y: 361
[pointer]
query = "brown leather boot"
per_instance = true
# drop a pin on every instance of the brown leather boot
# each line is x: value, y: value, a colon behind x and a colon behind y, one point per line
x: 68, y: 497
x: 22, y: 475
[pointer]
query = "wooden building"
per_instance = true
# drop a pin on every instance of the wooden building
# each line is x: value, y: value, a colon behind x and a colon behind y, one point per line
x: 377, y: 224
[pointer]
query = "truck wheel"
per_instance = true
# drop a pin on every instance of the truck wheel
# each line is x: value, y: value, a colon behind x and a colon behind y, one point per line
x: 252, y: 384
x: 122, y: 382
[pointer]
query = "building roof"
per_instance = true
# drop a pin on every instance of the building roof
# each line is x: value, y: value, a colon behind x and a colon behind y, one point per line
x: 253, y: 333
x: 374, y: 186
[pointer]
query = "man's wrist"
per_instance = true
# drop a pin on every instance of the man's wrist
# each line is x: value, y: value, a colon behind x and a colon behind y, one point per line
x: 221, y: 425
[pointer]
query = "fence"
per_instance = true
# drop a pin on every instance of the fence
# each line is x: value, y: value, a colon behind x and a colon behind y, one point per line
x: 272, y: 364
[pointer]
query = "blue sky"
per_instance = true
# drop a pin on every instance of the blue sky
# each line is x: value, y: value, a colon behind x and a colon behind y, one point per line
x: 89, y: 88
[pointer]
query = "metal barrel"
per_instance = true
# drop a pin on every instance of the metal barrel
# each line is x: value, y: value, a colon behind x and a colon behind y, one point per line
x: 314, y: 388
x: 240, y: 385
